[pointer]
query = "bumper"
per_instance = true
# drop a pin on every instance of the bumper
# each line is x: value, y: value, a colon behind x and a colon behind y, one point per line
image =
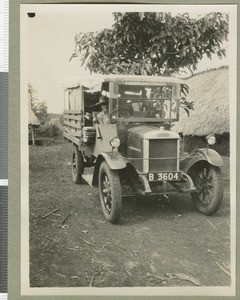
x: 184, y: 184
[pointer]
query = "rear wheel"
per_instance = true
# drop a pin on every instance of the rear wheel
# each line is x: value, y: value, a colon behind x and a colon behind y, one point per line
x: 110, y: 193
x: 208, y: 183
x: 77, y: 165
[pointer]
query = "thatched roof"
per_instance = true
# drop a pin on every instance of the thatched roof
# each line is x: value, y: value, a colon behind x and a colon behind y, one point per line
x: 32, y: 118
x: 210, y: 93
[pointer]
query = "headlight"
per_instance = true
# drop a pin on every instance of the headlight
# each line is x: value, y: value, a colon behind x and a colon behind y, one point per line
x: 115, y: 142
x: 211, y: 139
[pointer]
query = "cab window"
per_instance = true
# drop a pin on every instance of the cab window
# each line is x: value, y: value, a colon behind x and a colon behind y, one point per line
x: 146, y: 101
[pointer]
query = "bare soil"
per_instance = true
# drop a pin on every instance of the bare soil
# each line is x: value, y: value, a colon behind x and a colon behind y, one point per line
x: 158, y: 241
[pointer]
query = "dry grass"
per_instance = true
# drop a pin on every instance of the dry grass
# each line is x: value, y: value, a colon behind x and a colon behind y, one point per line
x: 210, y: 93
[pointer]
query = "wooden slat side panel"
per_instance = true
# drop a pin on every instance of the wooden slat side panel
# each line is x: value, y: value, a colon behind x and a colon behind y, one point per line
x: 73, y: 133
x: 73, y: 111
x: 73, y: 124
x: 72, y: 117
x: 68, y: 136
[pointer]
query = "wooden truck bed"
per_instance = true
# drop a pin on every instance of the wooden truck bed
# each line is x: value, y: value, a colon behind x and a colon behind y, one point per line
x: 75, y: 129
x: 73, y: 122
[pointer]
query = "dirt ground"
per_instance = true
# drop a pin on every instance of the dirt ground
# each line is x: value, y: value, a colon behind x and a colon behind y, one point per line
x: 158, y: 241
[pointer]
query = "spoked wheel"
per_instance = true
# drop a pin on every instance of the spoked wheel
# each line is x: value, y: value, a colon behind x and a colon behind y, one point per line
x: 77, y: 165
x: 110, y: 193
x: 208, y: 183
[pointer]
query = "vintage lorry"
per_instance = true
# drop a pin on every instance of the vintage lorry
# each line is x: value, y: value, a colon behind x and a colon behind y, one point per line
x: 136, y: 152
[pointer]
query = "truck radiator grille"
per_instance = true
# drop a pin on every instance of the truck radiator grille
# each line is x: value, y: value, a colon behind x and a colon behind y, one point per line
x: 164, y: 148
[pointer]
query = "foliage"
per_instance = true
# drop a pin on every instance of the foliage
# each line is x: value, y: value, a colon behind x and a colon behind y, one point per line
x: 39, y: 108
x: 152, y: 43
x: 222, y: 146
x: 61, y: 119
x: 186, y: 105
x: 49, y: 130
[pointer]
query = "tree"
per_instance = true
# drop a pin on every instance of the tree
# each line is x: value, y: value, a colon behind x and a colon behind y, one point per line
x: 150, y: 43
x: 39, y: 108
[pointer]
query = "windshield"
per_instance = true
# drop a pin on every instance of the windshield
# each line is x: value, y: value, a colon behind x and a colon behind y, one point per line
x: 145, y: 102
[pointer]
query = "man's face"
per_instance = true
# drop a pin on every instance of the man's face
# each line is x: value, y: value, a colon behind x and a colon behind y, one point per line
x: 104, y: 108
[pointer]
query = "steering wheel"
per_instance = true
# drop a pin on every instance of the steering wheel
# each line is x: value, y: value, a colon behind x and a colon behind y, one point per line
x: 121, y: 113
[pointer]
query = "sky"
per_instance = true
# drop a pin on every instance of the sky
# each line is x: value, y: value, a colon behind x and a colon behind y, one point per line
x: 48, y: 39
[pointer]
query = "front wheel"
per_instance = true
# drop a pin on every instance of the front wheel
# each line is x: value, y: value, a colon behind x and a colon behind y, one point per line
x: 77, y: 165
x: 110, y: 193
x: 208, y: 183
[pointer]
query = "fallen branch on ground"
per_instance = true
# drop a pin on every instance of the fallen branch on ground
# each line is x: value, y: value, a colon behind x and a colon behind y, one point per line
x: 212, y: 225
x: 52, y: 239
x: 64, y: 221
x: 228, y: 223
x: 99, y: 251
x: 156, y: 276
x: 183, y: 277
x: 93, y: 277
x: 51, y: 212
x: 72, y: 249
x: 61, y: 275
x: 222, y: 268
x: 87, y: 242
x: 52, y: 141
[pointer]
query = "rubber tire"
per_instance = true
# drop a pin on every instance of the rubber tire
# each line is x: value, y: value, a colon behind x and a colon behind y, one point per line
x: 116, y: 193
x: 217, y: 193
x: 79, y: 169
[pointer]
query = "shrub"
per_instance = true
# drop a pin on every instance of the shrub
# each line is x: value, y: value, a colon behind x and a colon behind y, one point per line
x: 49, y: 130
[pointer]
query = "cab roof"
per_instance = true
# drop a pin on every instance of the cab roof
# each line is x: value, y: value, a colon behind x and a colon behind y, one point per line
x: 95, y: 81
x: 141, y: 78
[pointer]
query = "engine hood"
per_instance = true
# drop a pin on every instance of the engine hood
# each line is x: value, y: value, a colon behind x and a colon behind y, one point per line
x: 150, y: 132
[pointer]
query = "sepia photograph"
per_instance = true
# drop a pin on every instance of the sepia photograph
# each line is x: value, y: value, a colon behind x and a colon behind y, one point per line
x: 128, y: 160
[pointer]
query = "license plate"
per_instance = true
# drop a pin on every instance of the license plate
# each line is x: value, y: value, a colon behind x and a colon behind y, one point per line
x: 164, y: 176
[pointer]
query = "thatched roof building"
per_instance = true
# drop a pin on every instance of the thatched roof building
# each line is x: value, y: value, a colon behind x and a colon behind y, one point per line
x: 210, y: 93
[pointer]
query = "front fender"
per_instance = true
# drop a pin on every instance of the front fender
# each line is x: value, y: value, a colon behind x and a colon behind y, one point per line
x: 115, y: 161
x: 209, y: 155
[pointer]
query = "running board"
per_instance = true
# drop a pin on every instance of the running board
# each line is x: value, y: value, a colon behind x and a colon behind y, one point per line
x: 88, y: 179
